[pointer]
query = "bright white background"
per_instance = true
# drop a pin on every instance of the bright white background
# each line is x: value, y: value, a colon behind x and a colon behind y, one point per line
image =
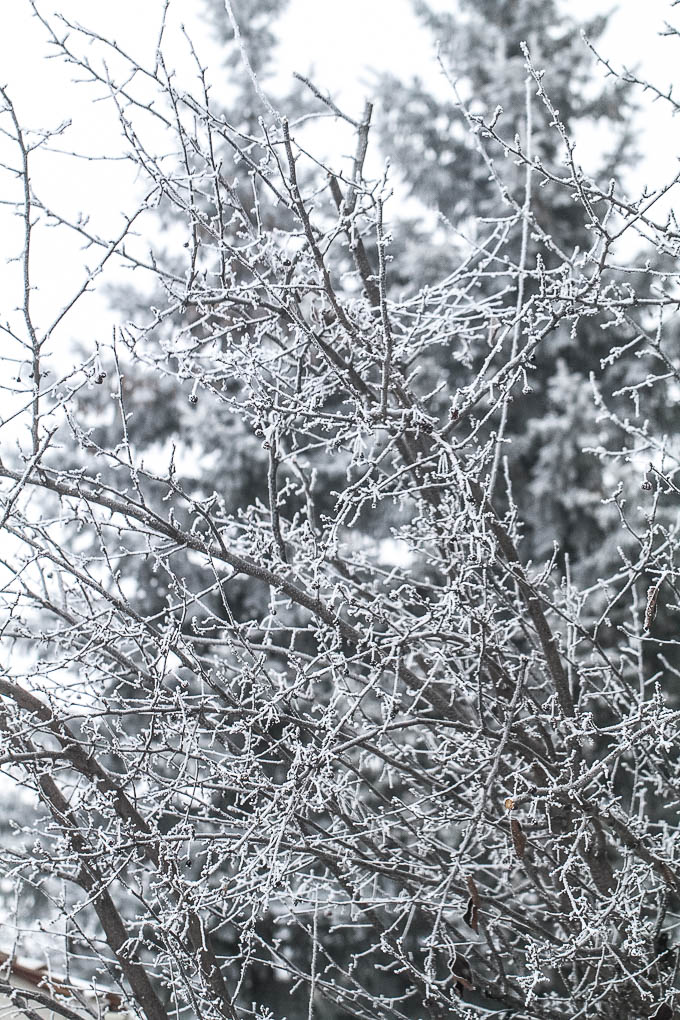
x: 341, y: 41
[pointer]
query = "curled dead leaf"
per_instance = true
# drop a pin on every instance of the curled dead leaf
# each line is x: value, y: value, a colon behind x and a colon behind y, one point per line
x: 519, y: 840
x: 471, y: 915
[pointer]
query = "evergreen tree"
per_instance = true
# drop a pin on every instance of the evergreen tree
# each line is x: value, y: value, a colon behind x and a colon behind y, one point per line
x: 558, y: 486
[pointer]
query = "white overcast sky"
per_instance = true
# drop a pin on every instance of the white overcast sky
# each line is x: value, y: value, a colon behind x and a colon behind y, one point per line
x: 342, y: 39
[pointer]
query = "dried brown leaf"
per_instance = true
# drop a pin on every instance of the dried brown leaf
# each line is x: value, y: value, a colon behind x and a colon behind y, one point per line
x: 471, y: 915
x: 519, y: 840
